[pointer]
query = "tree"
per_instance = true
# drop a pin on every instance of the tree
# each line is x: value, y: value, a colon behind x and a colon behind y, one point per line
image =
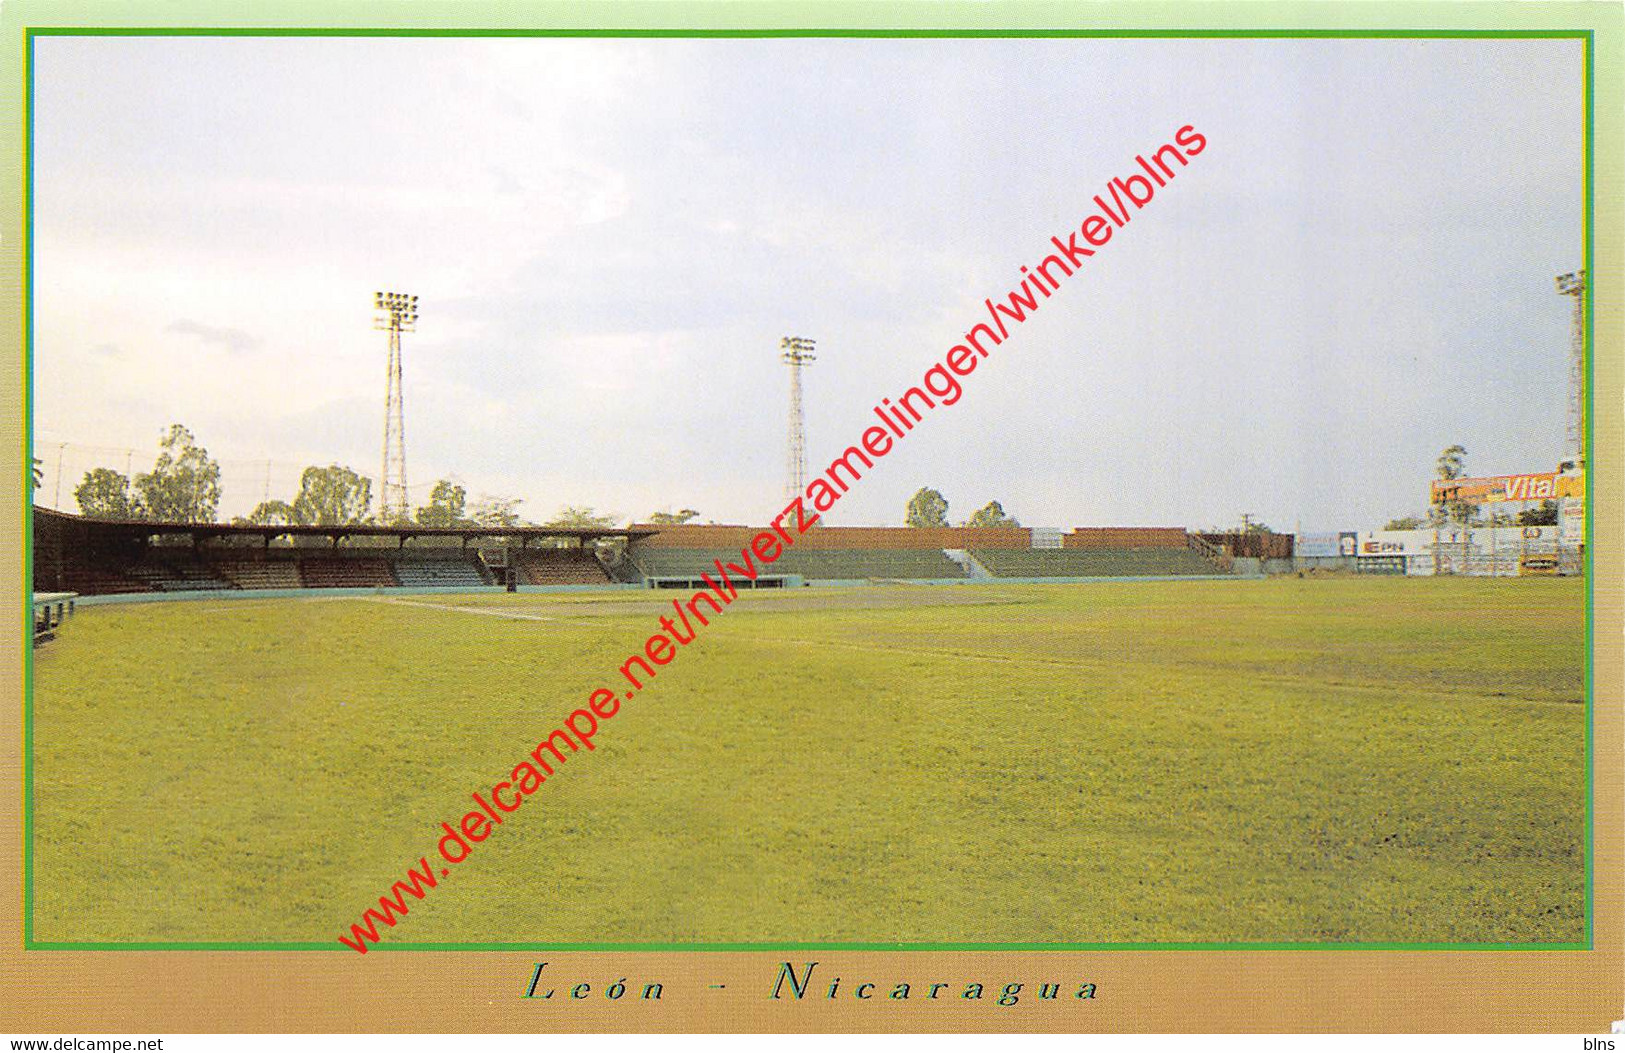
x: 1543, y: 514
x: 445, y: 507
x: 927, y: 508
x: 673, y: 518
x: 1404, y: 523
x: 331, y: 496
x: 184, y: 484
x: 582, y: 518
x: 272, y: 513
x: 992, y: 516
x: 105, y: 494
x: 1452, y: 465
x: 1453, y: 462
x: 497, y: 512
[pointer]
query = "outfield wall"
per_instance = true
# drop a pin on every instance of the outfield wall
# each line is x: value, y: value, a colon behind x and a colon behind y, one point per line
x: 1511, y: 551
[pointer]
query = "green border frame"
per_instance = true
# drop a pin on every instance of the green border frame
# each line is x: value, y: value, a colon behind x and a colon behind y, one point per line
x: 30, y: 33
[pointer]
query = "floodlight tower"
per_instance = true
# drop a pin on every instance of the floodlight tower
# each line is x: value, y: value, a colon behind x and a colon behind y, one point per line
x: 1574, y: 284
x: 397, y: 314
x: 797, y: 352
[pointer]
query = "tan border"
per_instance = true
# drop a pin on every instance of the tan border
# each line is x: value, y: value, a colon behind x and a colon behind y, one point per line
x: 1418, y: 991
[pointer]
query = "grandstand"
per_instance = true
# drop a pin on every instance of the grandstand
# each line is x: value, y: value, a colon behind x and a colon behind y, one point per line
x: 116, y: 557
x: 93, y: 557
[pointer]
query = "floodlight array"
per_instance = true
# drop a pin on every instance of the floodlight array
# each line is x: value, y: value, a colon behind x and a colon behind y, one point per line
x: 397, y: 309
x: 1571, y: 284
x: 798, y: 349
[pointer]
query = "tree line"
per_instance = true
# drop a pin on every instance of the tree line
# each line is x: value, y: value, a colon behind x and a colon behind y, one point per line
x: 184, y: 487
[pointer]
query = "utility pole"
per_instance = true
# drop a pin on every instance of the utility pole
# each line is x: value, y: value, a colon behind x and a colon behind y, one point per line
x: 797, y: 352
x: 397, y: 314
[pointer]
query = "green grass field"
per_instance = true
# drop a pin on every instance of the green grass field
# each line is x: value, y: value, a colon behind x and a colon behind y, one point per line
x: 1371, y: 760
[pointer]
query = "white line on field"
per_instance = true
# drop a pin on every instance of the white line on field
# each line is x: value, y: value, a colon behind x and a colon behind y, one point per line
x: 463, y: 610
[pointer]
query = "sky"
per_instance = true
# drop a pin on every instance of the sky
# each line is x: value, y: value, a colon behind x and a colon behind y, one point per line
x: 609, y: 238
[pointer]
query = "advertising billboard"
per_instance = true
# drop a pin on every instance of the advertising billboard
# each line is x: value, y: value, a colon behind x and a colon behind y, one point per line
x: 1495, y: 489
x: 1318, y: 545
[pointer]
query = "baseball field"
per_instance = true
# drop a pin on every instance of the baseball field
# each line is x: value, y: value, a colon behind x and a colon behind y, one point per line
x: 1355, y: 760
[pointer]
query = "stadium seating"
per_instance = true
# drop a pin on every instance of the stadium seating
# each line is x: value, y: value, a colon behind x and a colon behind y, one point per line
x: 852, y: 564
x: 98, y: 581
x: 813, y: 564
x: 341, y: 573
x: 678, y: 562
x: 1094, y: 562
x: 439, y: 572
x: 560, y: 566
x: 260, y: 574
x: 177, y: 572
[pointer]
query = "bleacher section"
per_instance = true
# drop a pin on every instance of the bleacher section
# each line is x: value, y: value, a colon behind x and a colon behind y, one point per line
x: 177, y: 573
x: 439, y: 572
x: 260, y: 574
x: 560, y: 566
x: 680, y: 562
x: 1095, y: 562
x: 811, y: 564
x: 339, y: 573
x: 854, y: 564
x: 95, y: 581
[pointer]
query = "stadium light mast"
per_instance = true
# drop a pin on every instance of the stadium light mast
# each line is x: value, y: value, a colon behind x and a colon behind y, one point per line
x: 397, y: 314
x: 797, y: 352
x: 1574, y: 284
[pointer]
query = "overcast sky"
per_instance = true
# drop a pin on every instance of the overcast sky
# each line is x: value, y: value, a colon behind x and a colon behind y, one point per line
x: 610, y: 237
